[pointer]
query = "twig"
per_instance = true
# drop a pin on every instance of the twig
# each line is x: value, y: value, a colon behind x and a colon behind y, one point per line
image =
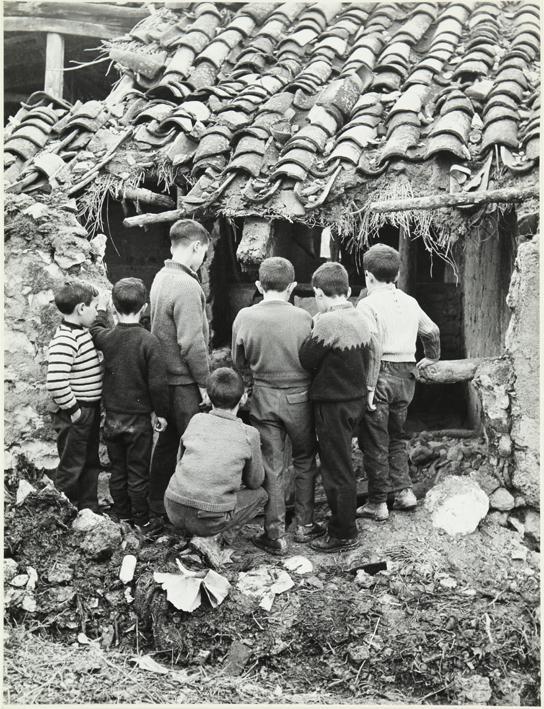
x: 437, y: 691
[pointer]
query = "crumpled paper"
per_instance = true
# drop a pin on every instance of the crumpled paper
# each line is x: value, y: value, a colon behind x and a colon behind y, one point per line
x: 184, y: 590
x: 264, y: 583
x: 299, y: 564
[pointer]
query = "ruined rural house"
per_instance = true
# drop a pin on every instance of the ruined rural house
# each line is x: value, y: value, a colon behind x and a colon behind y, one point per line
x: 307, y: 130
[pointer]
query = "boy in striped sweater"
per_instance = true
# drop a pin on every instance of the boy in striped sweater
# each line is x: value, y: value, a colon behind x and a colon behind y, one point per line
x: 74, y: 380
x: 397, y: 321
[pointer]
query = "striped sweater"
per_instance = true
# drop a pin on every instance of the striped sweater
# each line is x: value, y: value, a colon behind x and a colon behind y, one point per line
x: 74, y: 373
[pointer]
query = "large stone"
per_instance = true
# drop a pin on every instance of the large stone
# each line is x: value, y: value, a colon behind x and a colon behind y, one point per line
x: 501, y: 500
x: 457, y: 505
x: 101, y: 541
x: 531, y: 522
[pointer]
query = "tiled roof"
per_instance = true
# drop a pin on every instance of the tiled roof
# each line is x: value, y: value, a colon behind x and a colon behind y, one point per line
x: 252, y: 99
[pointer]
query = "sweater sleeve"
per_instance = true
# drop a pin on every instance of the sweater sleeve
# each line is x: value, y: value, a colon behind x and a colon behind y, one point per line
x: 315, y: 347
x: 374, y: 351
x: 238, y: 352
x: 253, y: 473
x: 156, y: 378
x: 100, y: 329
x: 188, y: 314
x: 62, y: 353
x: 430, y: 335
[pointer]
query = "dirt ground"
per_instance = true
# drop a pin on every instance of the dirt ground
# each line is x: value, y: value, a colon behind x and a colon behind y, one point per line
x: 452, y: 619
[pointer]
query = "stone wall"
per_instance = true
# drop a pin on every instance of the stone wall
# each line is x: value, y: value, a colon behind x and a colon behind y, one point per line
x: 44, y: 243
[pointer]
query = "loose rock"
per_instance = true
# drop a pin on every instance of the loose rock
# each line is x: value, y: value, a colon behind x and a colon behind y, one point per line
x: 501, y: 500
x: 101, y: 541
x: 457, y: 505
x: 473, y: 690
x: 532, y: 525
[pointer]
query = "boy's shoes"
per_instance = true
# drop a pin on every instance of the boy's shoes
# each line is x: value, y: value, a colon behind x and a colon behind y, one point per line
x: 152, y: 528
x: 330, y: 544
x: 377, y: 511
x: 307, y: 532
x: 278, y: 547
x: 405, y: 500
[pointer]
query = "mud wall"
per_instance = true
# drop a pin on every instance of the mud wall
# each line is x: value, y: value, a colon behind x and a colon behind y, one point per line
x: 44, y: 243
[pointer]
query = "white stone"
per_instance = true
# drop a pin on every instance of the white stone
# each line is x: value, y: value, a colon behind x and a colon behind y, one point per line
x: 10, y: 570
x: 86, y: 520
x: 532, y: 525
x: 23, y: 491
x: 457, y: 505
x: 501, y: 500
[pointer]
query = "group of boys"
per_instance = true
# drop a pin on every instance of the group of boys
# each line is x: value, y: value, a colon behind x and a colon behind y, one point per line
x: 348, y: 372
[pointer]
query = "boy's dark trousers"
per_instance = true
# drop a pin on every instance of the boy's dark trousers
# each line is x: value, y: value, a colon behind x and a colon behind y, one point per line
x: 277, y: 413
x: 129, y: 438
x: 79, y: 465
x: 337, y: 422
x: 184, y: 401
x: 205, y: 524
x: 381, y: 435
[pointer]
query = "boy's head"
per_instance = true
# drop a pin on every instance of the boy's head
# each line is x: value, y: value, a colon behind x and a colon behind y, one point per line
x: 129, y: 296
x: 77, y: 301
x: 189, y: 242
x: 330, y: 283
x: 276, y: 275
x: 226, y: 389
x: 381, y: 264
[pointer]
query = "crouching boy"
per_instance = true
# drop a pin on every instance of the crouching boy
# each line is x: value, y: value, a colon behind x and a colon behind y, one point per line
x: 398, y: 320
x: 135, y: 387
x: 340, y: 354
x: 74, y: 380
x: 217, y: 482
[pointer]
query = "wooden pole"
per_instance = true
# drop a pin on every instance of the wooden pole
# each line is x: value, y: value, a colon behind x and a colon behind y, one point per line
x: 140, y: 194
x: 449, y: 371
x: 145, y: 219
x: 437, y: 201
x: 54, y: 64
x: 407, y: 272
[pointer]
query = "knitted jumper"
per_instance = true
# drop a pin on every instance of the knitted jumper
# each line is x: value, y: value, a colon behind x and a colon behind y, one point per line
x: 178, y: 320
x: 135, y: 375
x: 267, y: 337
x: 339, y: 353
x: 219, y: 452
x: 74, y: 373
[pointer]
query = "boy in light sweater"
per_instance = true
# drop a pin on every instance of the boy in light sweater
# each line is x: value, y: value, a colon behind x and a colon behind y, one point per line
x: 397, y: 320
x: 341, y: 355
x: 267, y: 337
x: 74, y: 380
x: 178, y: 320
x: 217, y: 482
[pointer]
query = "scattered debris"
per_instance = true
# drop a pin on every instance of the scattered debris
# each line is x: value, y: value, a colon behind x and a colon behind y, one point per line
x: 299, y: 564
x: 86, y: 520
x: 237, y: 658
x: 211, y: 551
x: 364, y: 580
x: 473, y: 690
x: 101, y: 540
x: 264, y: 583
x: 184, y: 590
x: 23, y: 491
x: 146, y: 662
x: 10, y: 570
x: 126, y: 573
x: 457, y: 505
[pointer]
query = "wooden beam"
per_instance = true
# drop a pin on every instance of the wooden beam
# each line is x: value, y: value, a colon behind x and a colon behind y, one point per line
x: 84, y: 11
x: 54, y: 65
x: 48, y: 24
x: 438, y: 201
x: 449, y: 371
x: 407, y: 273
x: 140, y: 194
x: 161, y: 217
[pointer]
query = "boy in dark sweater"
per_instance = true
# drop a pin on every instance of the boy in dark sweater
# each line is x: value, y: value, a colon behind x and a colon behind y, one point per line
x: 178, y: 320
x: 341, y: 355
x: 217, y: 483
x: 135, y: 387
x: 267, y: 337
x: 74, y: 380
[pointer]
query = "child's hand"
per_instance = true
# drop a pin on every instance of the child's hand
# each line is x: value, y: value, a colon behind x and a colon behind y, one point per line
x: 426, y: 362
x: 103, y: 300
x: 160, y: 424
x: 370, y: 401
x: 75, y: 416
x: 205, y: 398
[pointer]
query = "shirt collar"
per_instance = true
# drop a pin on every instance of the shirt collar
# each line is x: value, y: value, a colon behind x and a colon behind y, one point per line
x: 342, y: 306
x: 384, y: 286
x: 222, y: 414
x: 274, y: 300
x: 170, y: 263
x: 72, y: 326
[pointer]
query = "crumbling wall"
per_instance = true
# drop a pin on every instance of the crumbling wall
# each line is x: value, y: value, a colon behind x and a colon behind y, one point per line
x: 44, y: 243
x: 522, y: 345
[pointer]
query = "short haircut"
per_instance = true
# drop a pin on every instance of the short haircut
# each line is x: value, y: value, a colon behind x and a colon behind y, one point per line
x: 72, y: 293
x: 129, y: 295
x: 332, y: 278
x: 225, y: 388
x: 276, y: 273
x: 186, y: 231
x: 383, y: 262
